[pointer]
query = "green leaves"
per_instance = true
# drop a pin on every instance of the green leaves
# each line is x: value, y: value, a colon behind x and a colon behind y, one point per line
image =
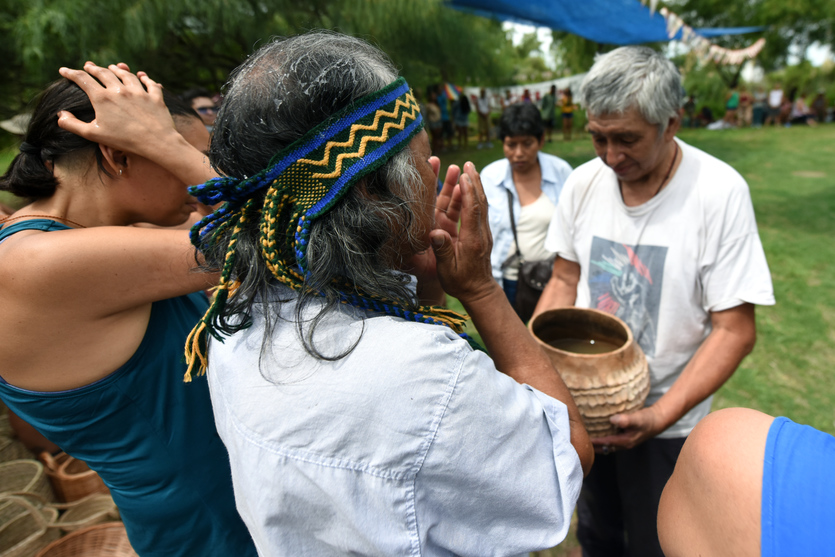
x: 185, y: 43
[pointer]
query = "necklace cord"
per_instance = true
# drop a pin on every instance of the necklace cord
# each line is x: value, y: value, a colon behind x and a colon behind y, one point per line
x: 669, y: 170
x: 666, y: 176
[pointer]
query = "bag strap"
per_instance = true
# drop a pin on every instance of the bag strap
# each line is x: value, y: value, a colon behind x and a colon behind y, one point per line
x: 513, y: 228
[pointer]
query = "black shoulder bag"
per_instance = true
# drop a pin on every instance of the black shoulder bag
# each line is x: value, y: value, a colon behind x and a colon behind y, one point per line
x: 533, y: 275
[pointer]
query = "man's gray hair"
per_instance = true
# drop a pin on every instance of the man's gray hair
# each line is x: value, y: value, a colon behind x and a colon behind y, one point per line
x: 286, y: 88
x: 633, y: 77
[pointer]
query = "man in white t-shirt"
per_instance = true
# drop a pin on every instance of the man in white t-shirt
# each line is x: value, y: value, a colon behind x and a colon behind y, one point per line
x: 662, y: 235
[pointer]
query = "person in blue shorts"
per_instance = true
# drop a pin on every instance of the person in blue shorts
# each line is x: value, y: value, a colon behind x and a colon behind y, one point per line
x: 749, y: 484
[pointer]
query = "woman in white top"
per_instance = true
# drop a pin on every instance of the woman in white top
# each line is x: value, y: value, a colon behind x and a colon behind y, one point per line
x: 528, y: 180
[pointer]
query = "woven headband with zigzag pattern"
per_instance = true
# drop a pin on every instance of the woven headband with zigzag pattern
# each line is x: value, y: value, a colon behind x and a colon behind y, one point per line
x: 303, y: 182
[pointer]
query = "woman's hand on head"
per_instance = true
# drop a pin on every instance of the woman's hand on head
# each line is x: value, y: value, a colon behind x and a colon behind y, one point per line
x: 131, y: 116
x: 463, y: 253
x: 130, y: 112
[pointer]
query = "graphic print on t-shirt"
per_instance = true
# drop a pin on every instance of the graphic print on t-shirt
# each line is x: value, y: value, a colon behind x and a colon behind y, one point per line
x: 626, y: 281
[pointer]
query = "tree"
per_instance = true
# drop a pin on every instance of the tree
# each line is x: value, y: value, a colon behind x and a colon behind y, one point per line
x: 183, y: 43
x: 574, y: 53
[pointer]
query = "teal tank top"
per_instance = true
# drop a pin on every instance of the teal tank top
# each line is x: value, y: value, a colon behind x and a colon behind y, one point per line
x: 150, y: 437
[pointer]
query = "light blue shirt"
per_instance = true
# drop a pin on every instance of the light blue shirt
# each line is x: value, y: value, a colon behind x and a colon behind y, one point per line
x: 413, y: 444
x: 497, y: 179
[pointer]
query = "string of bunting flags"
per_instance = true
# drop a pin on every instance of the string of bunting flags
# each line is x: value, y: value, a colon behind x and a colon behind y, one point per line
x: 706, y: 50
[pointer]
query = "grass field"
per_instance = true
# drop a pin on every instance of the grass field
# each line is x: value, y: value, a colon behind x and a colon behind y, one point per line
x: 791, y: 173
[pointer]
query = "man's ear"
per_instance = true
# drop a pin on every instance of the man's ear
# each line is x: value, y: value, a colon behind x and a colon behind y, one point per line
x: 672, y: 127
x: 115, y: 161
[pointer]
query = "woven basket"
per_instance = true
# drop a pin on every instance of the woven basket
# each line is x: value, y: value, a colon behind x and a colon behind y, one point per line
x: 25, y: 527
x: 25, y: 476
x: 103, y: 540
x: 71, y: 478
x: 12, y: 449
x: 93, y: 509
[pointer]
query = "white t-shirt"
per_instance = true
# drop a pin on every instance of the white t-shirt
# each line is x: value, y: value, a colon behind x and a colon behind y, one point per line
x: 775, y: 98
x: 483, y: 105
x: 663, y: 266
x: 531, y: 227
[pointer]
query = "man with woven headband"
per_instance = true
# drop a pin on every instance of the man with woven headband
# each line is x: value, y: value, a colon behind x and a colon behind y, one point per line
x: 359, y: 419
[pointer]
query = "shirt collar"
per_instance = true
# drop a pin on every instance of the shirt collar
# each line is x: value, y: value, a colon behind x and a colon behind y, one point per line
x: 549, y: 175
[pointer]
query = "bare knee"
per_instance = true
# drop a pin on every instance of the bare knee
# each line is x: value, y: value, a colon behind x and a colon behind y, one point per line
x: 711, y: 505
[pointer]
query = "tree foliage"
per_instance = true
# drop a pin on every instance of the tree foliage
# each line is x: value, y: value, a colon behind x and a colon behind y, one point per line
x: 183, y: 43
x: 575, y: 54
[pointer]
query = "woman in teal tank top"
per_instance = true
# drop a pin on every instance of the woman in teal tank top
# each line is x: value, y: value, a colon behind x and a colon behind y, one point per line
x: 94, y: 312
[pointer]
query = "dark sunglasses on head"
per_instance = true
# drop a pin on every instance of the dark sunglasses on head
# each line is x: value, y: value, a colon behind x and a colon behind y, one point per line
x: 206, y: 109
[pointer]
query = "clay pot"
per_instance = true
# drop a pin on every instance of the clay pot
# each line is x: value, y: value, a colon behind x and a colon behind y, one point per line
x: 602, y: 384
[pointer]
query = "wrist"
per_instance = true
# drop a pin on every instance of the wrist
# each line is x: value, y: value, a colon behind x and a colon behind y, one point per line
x: 482, y: 296
x: 666, y: 412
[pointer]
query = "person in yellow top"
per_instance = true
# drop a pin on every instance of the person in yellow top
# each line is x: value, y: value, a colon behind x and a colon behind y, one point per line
x: 567, y: 108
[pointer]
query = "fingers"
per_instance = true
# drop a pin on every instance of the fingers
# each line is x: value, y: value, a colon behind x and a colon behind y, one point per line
x: 445, y: 197
x: 613, y: 442
x: 125, y: 76
x: 474, y: 204
x: 469, y: 169
x: 621, y: 420
x: 453, y: 211
x: 93, y: 79
x: 67, y: 121
x: 471, y: 208
x: 435, y: 163
x: 442, y: 246
x: 607, y: 440
x: 82, y: 79
x: 103, y: 75
x: 453, y: 173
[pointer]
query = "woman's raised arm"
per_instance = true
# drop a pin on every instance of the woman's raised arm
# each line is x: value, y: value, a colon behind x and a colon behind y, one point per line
x: 131, y: 115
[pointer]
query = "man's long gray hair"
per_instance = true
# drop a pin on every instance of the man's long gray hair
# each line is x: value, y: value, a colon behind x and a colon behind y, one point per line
x: 633, y: 77
x: 283, y: 90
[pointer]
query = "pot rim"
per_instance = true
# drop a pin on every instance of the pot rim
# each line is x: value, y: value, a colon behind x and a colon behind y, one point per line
x: 617, y: 320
